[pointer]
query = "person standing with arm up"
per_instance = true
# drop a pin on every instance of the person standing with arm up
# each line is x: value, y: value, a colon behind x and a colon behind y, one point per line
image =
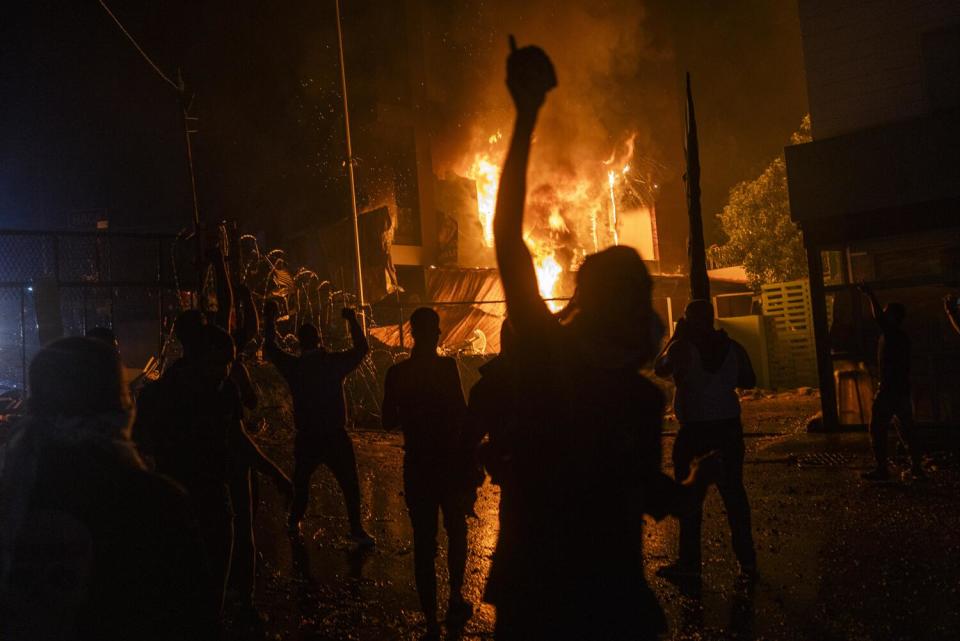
x: 584, y: 461
x: 893, y: 392
x: 707, y: 367
x: 316, y: 380
x: 423, y: 397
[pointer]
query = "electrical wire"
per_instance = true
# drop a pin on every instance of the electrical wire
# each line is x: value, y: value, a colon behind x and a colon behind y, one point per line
x: 177, y: 86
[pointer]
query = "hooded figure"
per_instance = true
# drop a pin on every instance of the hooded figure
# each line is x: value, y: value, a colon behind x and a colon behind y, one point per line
x: 707, y: 367
x: 92, y: 546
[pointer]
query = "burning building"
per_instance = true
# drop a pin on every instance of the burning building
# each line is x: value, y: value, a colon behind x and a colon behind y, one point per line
x: 433, y: 117
x: 432, y: 155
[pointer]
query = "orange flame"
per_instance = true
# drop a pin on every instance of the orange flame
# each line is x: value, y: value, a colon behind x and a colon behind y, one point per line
x: 548, y: 277
x: 611, y: 180
x: 585, y: 208
x: 486, y: 174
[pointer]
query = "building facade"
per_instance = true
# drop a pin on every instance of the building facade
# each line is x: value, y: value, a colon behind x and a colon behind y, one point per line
x: 877, y: 192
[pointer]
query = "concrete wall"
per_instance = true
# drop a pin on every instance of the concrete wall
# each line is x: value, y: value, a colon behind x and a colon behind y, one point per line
x: 866, y: 60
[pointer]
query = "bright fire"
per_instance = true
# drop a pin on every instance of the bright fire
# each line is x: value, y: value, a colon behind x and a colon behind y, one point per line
x: 612, y: 181
x: 548, y: 276
x: 567, y: 216
x: 486, y: 174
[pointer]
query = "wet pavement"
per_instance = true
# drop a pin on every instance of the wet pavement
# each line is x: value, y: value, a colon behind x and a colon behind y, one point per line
x: 839, y: 558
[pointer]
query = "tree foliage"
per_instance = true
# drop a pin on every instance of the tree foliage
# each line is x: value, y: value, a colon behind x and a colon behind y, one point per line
x: 756, y: 221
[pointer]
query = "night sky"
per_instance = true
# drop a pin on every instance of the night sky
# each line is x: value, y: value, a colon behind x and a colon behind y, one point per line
x: 87, y: 125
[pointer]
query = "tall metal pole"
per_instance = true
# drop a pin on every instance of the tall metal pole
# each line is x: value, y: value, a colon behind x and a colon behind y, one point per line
x: 198, y: 237
x: 187, y: 120
x: 696, y: 253
x: 353, y: 187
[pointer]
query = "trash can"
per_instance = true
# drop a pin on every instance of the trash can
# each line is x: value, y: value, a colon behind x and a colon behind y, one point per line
x: 854, y: 385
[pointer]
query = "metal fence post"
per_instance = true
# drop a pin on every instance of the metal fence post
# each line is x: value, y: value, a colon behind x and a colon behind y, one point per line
x: 400, y: 323
x: 23, y: 337
x: 56, y: 259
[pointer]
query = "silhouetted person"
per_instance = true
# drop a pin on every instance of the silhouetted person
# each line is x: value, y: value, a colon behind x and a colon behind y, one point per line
x: 707, y: 367
x: 248, y: 462
x: 893, y: 392
x: 423, y: 397
x: 585, y: 459
x: 189, y: 422
x: 316, y: 380
x: 92, y: 546
x: 493, y: 410
x: 237, y: 314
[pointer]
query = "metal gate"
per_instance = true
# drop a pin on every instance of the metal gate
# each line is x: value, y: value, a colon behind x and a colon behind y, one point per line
x: 63, y: 283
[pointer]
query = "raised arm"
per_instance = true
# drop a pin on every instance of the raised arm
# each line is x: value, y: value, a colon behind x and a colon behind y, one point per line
x: 225, y: 312
x: 348, y: 360
x: 666, y: 363
x: 273, y: 352
x: 530, y: 76
x: 875, y: 306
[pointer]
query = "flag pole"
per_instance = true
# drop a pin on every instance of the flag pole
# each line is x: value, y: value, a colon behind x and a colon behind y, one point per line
x: 350, y: 172
x: 696, y: 252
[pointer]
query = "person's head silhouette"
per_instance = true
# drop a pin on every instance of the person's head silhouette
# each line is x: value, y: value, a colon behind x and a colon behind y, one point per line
x: 218, y: 354
x: 78, y: 377
x: 699, y: 316
x: 309, y: 337
x: 425, y: 326
x: 612, y: 308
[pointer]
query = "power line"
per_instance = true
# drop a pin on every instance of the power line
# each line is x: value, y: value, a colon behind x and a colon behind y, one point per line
x: 177, y: 86
x: 188, y: 120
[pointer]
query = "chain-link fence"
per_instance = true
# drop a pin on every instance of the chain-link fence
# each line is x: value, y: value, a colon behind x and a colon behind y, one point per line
x: 64, y: 283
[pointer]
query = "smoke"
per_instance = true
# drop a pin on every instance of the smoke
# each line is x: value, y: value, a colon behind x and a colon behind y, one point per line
x: 599, y: 49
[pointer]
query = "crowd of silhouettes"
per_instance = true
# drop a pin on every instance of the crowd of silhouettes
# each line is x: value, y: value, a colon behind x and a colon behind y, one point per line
x: 123, y: 524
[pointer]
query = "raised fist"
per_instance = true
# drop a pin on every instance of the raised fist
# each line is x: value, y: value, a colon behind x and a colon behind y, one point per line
x: 530, y: 76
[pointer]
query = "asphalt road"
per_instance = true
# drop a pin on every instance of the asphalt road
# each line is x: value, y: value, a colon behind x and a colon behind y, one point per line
x: 838, y: 558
